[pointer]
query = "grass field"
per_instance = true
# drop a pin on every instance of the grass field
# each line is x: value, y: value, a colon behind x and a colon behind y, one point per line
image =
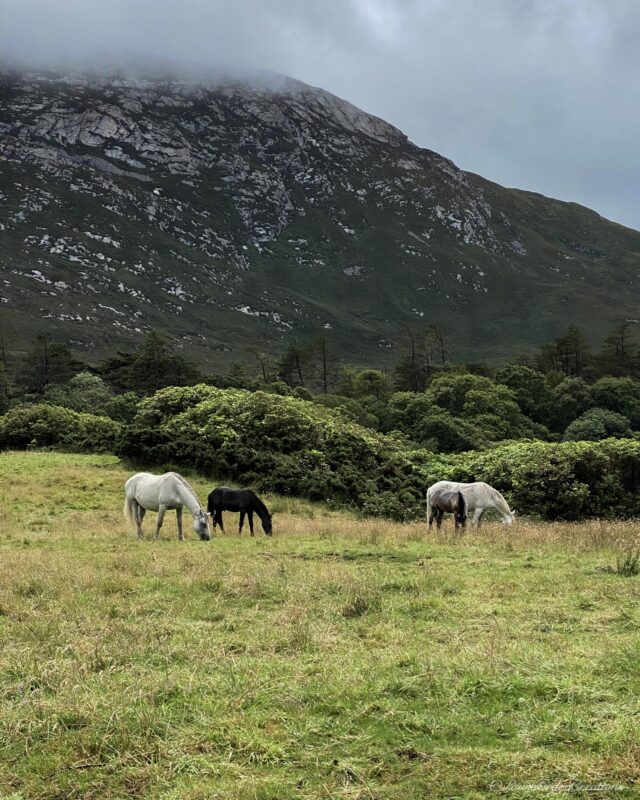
x: 344, y: 658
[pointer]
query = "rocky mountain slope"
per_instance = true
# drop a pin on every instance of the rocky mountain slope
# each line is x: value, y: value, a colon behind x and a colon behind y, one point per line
x: 237, y: 216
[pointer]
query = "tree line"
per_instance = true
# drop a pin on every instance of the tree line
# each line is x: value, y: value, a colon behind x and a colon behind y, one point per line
x: 564, y: 390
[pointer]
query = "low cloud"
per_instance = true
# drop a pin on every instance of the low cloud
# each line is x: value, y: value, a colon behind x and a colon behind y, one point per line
x: 539, y: 94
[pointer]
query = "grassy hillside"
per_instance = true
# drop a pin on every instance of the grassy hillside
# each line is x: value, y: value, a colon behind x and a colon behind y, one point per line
x: 342, y: 658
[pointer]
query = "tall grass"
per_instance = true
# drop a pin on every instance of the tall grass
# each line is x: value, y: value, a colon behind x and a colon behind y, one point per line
x: 344, y: 658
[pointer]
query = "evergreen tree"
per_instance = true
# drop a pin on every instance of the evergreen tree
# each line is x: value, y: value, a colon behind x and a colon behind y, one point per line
x: 155, y: 367
x: 413, y: 370
x: 568, y: 354
x: 620, y: 352
x: 4, y: 389
x: 115, y: 371
x: 47, y: 362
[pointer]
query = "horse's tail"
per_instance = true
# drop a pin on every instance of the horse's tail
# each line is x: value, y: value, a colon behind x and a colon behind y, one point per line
x: 211, y: 506
x: 428, y: 504
x: 128, y: 508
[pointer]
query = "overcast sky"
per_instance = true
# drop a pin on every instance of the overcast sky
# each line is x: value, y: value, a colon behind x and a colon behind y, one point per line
x: 538, y: 94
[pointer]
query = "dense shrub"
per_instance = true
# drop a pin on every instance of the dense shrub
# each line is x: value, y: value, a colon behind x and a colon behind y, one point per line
x: 84, y: 392
x: 284, y: 444
x: 569, y: 480
x: 596, y: 424
x: 569, y: 400
x: 52, y: 426
x: 530, y: 389
x: 621, y: 395
x: 293, y: 446
x: 461, y: 412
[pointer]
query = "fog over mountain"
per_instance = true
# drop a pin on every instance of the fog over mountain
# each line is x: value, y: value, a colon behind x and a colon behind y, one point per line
x: 538, y: 94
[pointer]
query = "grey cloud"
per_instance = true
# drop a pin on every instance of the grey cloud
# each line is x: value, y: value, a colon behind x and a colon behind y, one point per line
x: 539, y: 94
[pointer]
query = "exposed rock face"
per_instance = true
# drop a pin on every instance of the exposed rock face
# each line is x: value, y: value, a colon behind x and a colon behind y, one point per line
x: 236, y: 215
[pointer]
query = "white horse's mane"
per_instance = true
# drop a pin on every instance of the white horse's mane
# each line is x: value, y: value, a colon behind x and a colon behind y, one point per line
x: 188, y: 486
x: 499, y: 499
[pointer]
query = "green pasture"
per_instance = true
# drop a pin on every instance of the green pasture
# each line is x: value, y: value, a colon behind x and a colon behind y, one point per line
x: 343, y: 658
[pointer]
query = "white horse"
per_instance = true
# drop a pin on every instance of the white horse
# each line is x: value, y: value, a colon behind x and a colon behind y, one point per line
x: 479, y: 496
x: 146, y: 492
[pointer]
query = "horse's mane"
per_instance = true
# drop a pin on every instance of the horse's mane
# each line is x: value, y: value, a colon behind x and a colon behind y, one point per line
x: 188, y: 486
x: 260, y: 506
x: 500, y: 501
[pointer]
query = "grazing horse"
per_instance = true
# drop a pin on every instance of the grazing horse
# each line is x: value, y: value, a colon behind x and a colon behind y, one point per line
x: 479, y: 496
x: 444, y: 500
x: 243, y: 500
x: 146, y: 492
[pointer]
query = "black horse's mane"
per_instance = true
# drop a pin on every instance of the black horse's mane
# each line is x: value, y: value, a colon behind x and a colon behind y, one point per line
x: 261, y: 509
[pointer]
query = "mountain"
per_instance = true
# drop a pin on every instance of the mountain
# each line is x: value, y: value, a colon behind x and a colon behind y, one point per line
x: 245, y: 215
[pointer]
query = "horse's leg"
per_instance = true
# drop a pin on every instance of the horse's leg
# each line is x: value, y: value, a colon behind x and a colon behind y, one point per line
x: 139, y: 513
x: 162, y: 510
x: 219, y: 519
x: 477, y: 516
x: 250, y: 515
x: 242, y: 513
x: 432, y: 516
x: 440, y: 515
x: 179, y: 518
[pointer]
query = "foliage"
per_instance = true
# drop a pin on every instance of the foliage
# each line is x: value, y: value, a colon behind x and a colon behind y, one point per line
x: 52, y: 426
x: 155, y: 367
x: 596, y: 424
x: 621, y: 395
x: 283, y: 444
x: 530, y: 389
x: 122, y: 407
x: 422, y: 420
x: 84, y: 392
x: 569, y: 400
x: 489, y: 409
x: 569, y: 480
x: 47, y: 362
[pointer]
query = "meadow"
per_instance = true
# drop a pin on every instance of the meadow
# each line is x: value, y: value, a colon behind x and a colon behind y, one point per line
x: 343, y: 658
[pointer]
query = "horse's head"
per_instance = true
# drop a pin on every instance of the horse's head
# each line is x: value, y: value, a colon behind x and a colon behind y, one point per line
x: 510, y: 518
x: 201, y: 526
x: 267, y: 526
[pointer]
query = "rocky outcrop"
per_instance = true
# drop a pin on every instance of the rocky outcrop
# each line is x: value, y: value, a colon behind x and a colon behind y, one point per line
x: 250, y: 211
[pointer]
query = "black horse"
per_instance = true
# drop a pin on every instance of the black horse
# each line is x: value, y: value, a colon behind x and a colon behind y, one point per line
x: 243, y: 500
x: 442, y: 501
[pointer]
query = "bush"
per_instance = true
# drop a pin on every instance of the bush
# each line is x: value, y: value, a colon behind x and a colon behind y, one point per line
x: 61, y: 428
x: 621, y: 395
x: 596, y: 424
x: 566, y: 481
x: 295, y: 447
x: 283, y: 444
